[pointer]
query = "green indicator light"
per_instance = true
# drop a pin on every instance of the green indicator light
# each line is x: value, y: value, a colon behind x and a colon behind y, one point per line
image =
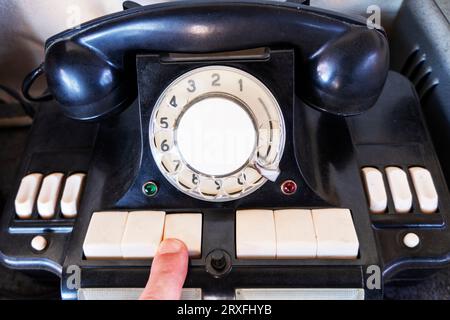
x: 150, y: 188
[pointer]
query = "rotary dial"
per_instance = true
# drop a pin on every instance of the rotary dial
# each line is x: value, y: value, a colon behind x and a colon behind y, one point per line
x: 217, y: 133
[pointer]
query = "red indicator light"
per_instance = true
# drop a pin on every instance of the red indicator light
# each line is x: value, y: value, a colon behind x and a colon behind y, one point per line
x: 288, y: 187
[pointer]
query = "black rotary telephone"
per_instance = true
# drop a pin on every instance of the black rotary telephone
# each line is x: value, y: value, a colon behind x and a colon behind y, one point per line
x: 341, y: 65
x: 270, y: 137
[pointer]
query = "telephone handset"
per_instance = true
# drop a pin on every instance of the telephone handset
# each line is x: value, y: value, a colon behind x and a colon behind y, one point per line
x: 341, y: 65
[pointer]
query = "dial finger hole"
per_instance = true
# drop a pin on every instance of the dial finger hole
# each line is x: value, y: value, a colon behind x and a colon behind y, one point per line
x: 171, y: 163
x: 234, y: 185
x: 188, y: 179
x: 210, y: 187
x: 252, y: 176
x: 194, y: 86
x: 269, y: 140
x: 176, y: 99
x: 166, y: 118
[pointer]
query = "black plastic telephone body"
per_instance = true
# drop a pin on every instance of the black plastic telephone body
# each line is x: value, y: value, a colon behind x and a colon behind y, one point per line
x: 341, y: 64
x: 338, y: 65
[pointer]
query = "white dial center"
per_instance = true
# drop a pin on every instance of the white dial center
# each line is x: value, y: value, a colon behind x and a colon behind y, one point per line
x: 216, y: 136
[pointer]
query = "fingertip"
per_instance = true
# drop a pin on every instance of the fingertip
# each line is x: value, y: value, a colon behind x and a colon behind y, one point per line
x: 168, y: 271
x: 172, y: 246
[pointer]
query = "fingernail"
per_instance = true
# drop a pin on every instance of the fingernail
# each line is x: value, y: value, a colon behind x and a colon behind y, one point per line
x: 170, y: 246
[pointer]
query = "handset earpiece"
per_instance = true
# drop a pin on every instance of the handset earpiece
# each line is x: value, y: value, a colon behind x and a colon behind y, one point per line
x: 86, y: 86
x: 347, y: 74
x: 341, y: 64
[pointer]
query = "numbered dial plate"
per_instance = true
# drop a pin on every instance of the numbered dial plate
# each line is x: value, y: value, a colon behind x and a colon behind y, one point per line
x: 217, y: 133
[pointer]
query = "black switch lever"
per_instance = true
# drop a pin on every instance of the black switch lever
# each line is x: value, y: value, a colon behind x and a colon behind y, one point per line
x: 218, y: 260
x: 218, y: 263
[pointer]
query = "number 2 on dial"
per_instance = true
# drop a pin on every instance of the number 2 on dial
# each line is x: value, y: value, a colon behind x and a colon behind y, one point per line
x: 216, y: 79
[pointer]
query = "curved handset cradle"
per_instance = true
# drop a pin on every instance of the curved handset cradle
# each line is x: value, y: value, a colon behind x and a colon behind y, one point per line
x: 341, y: 65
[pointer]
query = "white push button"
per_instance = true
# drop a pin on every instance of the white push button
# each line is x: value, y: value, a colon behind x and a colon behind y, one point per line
x: 401, y: 193
x: 336, y: 234
x: 411, y: 240
x: 295, y: 234
x: 104, y: 235
x: 71, y: 195
x: 143, y: 233
x: 255, y: 234
x: 186, y: 227
x: 375, y: 189
x: 48, y: 196
x: 26, y: 196
x: 425, y: 189
x: 39, y: 243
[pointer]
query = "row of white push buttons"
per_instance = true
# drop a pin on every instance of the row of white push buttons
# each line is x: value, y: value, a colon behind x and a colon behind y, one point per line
x: 260, y: 234
x: 400, y: 189
x: 137, y: 234
x: 47, y: 190
x: 296, y: 234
